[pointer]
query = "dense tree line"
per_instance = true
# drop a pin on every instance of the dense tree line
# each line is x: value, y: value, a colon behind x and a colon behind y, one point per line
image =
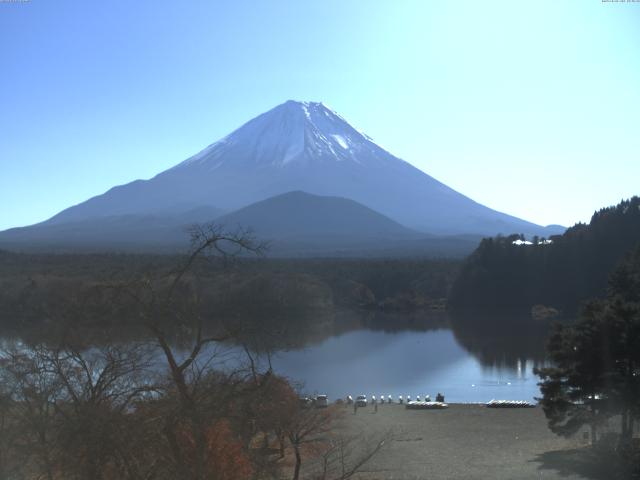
x: 282, y: 290
x: 504, y: 274
x: 594, y: 377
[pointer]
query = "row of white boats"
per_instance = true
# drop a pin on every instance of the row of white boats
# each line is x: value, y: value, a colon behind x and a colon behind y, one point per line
x: 509, y: 404
x: 427, y: 404
x: 363, y: 401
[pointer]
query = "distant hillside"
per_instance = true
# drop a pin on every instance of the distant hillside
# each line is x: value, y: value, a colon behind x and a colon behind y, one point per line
x: 297, y: 224
x: 563, y: 274
x: 302, y: 215
x: 130, y: 232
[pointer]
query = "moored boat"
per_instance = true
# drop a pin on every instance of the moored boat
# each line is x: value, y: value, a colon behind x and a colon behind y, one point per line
x: 509, y: 404
x: 426, y: 405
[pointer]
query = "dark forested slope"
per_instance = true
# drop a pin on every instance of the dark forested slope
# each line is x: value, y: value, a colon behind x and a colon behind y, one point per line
x: 503, y: 275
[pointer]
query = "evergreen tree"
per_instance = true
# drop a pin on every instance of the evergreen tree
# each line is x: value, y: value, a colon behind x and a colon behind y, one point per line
x: 500, y: 275
x: 596, y: 361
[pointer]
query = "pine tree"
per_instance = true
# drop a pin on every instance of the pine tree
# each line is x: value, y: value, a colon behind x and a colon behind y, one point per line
x: 596, y: 361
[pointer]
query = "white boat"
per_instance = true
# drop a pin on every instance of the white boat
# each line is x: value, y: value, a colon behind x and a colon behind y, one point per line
x: 509, y: 404
x: 426, y: 405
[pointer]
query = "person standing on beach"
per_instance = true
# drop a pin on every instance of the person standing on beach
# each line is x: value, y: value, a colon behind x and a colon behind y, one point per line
x: 375, y: 407
x: 355, y: 408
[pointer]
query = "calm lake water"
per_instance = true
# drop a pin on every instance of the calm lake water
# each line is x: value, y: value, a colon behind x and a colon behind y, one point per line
x: 404, y: 363
x: 378, y: 354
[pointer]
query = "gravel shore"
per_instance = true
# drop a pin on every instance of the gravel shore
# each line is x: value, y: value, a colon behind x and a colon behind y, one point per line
x: 470, y: 442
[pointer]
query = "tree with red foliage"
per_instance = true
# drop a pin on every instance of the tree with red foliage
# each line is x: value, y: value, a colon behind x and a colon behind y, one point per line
x: 225, y: 457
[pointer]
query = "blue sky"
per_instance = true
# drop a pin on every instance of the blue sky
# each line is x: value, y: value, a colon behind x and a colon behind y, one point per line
x: 531, y: 108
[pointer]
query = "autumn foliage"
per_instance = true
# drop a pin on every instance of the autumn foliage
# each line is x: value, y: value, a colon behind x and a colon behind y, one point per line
x: 225, y: 457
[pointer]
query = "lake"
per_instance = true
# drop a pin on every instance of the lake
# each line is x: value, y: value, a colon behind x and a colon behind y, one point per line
x: 409, y: 362
x: 381, y: 354
x: 377, y: 354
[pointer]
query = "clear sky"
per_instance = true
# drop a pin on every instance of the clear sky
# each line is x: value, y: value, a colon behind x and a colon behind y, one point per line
x: 531, y: 108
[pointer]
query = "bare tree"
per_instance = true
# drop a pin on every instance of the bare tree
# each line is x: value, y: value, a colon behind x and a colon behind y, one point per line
x: 70, y: 411
x: 100, y: 388
x: 174, y: 301
x: 29, y: 421
x: 345, y: 456
x: 315, y: 434
x: 307, y: 427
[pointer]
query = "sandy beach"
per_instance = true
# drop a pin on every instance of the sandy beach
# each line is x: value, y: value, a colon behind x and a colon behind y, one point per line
x: 471, y: 442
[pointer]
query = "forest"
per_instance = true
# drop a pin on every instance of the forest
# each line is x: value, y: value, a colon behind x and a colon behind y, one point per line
x: 503, y: 278
x: 558, y: 273
x: 281, y: 290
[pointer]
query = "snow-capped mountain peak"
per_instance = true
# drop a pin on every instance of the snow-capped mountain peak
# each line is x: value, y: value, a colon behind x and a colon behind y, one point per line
x: 300, y: 146
x: 292, y: 133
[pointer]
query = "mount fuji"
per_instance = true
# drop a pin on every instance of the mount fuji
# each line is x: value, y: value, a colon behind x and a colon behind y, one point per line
x: 296, y: 146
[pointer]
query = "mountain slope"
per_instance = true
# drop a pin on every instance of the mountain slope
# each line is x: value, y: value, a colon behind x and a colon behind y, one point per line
x: 302, y: 146
x: 302, y: 215
x: 132, y: 231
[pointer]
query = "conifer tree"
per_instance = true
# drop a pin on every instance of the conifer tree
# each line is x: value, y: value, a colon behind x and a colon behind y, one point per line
x: 596, y: 361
